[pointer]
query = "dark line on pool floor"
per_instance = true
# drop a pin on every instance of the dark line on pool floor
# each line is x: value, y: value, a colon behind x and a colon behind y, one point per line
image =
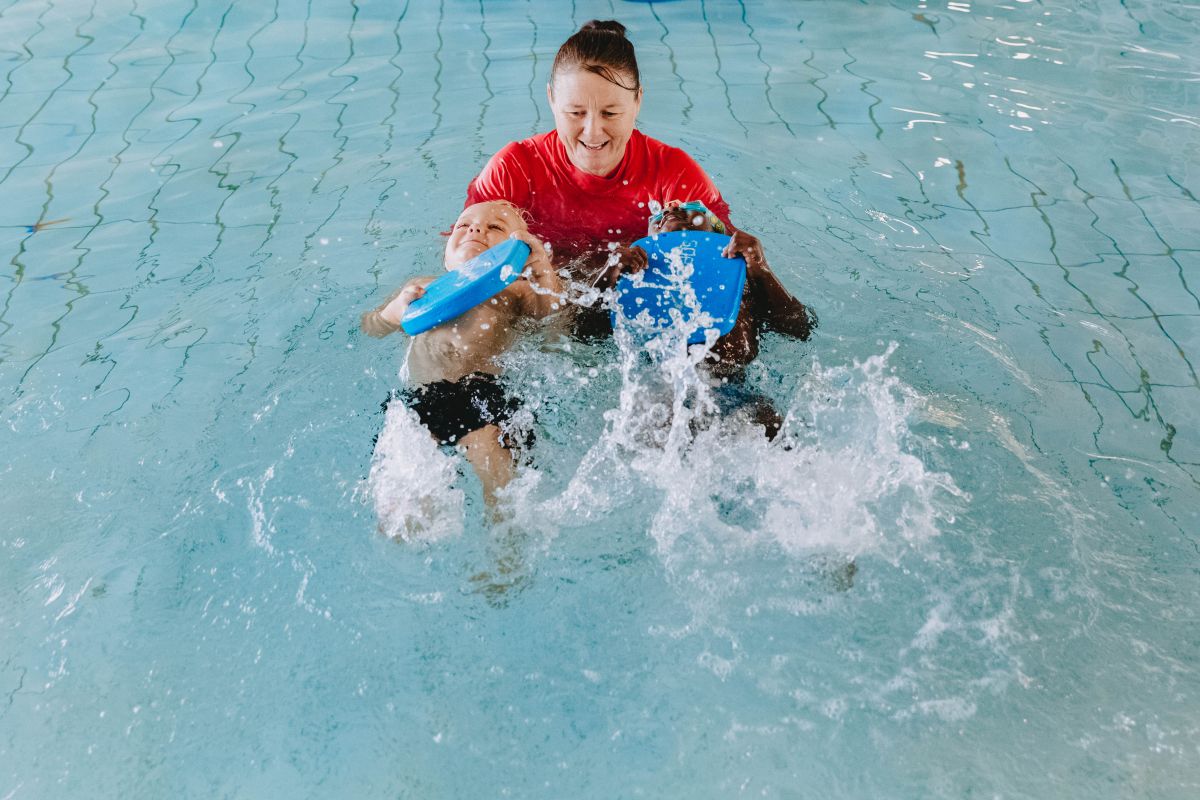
x: 686, y: 113
x: 717, y: 55
x: 767, y: 77
x: 423, y: 148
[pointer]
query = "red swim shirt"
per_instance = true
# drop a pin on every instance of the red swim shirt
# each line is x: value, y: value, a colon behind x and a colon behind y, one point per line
x: 575, y: 211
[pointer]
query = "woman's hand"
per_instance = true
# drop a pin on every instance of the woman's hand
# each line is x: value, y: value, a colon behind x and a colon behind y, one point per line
x: 618, y: 260
x: 748, y: 247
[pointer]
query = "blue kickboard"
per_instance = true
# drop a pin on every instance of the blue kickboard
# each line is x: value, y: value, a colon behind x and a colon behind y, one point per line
x: 662, y: 291
x: 460, y: 290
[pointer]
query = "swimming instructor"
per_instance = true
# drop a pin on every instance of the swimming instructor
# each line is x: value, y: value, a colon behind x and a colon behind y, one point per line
x: 593, y: 179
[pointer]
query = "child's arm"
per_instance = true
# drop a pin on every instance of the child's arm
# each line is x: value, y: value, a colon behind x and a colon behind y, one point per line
x: 775, y: 306
x: 545, y: 295
x: 386, y: 318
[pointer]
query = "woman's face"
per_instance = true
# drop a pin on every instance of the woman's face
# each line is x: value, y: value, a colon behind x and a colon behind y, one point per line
x: 478, y: 228
x: 594, y: 118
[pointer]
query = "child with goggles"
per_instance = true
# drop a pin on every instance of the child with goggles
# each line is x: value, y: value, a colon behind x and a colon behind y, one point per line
x: 766, y: 306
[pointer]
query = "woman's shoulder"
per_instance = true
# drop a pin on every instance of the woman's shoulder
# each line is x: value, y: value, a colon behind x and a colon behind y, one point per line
x: 511, y: 173
x: 660, y: 151
x: 680, y: 176
x: 528, y: 148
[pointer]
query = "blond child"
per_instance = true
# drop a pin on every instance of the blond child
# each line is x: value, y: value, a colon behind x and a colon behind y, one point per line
x: 452, y: 368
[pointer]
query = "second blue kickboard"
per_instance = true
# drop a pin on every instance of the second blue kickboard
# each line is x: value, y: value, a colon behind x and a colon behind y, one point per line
x: 460, y: 290
x: 664, y: 292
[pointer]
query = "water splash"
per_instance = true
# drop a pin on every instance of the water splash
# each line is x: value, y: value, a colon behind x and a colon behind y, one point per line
x: 842, y: 478
x: 848, y: 427
x: 412, y: 483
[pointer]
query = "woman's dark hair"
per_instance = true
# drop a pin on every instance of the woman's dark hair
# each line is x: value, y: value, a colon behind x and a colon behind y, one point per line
x: 600, y: 46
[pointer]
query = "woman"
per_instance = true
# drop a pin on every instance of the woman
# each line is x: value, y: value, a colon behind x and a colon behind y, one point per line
x: 593, y: 179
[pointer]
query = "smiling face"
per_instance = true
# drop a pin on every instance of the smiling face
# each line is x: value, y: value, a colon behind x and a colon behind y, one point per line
x: 690, y: 216
x: 680, y: 219
x: 594, y: 118
x: 480, y: 227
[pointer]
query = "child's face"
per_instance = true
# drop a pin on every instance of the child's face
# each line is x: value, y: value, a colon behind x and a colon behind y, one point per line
x: 678, y: 218
x: 479, y: 227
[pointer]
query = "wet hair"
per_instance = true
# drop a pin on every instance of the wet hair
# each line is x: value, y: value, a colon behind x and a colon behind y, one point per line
x: 600, y: 47
x: 524, y: 216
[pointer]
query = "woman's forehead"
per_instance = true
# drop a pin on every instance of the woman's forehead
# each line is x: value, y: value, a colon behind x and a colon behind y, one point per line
x: 581, y: 86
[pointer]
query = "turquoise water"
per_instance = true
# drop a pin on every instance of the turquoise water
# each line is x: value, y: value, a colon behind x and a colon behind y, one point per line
x: 991, y: 206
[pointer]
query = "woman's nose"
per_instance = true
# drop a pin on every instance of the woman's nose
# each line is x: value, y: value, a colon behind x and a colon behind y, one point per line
x: 591, y: 124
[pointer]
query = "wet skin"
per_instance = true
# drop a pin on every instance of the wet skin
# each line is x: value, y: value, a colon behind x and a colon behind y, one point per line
x: 766, y: 304
x: 594, y: 118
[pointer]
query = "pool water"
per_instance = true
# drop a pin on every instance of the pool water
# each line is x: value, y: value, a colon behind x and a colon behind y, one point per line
x: 968, y: 568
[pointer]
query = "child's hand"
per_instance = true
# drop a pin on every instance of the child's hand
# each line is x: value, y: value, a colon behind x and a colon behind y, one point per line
x: 620, y: 260
x: 538, y: 268
x: 546, y: 297
x: 631, y: 259
x: 393, y: 312
x: 747, y: 246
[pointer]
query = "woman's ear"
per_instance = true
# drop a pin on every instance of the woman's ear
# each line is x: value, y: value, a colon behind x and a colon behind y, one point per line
x: 550, y: 93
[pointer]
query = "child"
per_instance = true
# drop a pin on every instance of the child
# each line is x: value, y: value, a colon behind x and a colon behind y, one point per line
x: 766, y: 306
x: 452, y: 368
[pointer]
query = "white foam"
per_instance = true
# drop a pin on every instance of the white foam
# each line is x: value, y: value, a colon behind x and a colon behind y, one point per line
x: 842, y: 478
x: 412, y: 482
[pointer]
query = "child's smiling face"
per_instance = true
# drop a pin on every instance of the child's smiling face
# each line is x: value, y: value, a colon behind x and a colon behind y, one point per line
x: 676, y: 216
x: 480, y: 227
x: 680, y: 219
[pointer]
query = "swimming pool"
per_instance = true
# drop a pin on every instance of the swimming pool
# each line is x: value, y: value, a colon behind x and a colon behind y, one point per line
x: 991, y: 206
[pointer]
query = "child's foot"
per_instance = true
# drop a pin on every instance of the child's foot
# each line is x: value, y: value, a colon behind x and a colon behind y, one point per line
x: 842, y: 576
x: 500, y: 585
x: 764, y: 414
x: 499, y: 589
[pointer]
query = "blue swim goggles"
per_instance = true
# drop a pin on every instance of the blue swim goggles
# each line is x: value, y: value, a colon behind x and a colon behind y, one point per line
x: 691, y: 205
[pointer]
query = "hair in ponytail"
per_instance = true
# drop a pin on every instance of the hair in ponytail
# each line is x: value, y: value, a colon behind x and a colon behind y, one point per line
x: 600, y: 47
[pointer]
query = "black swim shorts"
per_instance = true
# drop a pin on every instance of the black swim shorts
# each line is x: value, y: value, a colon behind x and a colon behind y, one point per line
x: 452, y: 409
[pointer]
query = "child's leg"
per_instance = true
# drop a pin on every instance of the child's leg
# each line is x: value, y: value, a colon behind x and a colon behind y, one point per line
x: 491, y: 460
x: 496, y: 466
x: 735, y: 397
x: 763, y: 413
